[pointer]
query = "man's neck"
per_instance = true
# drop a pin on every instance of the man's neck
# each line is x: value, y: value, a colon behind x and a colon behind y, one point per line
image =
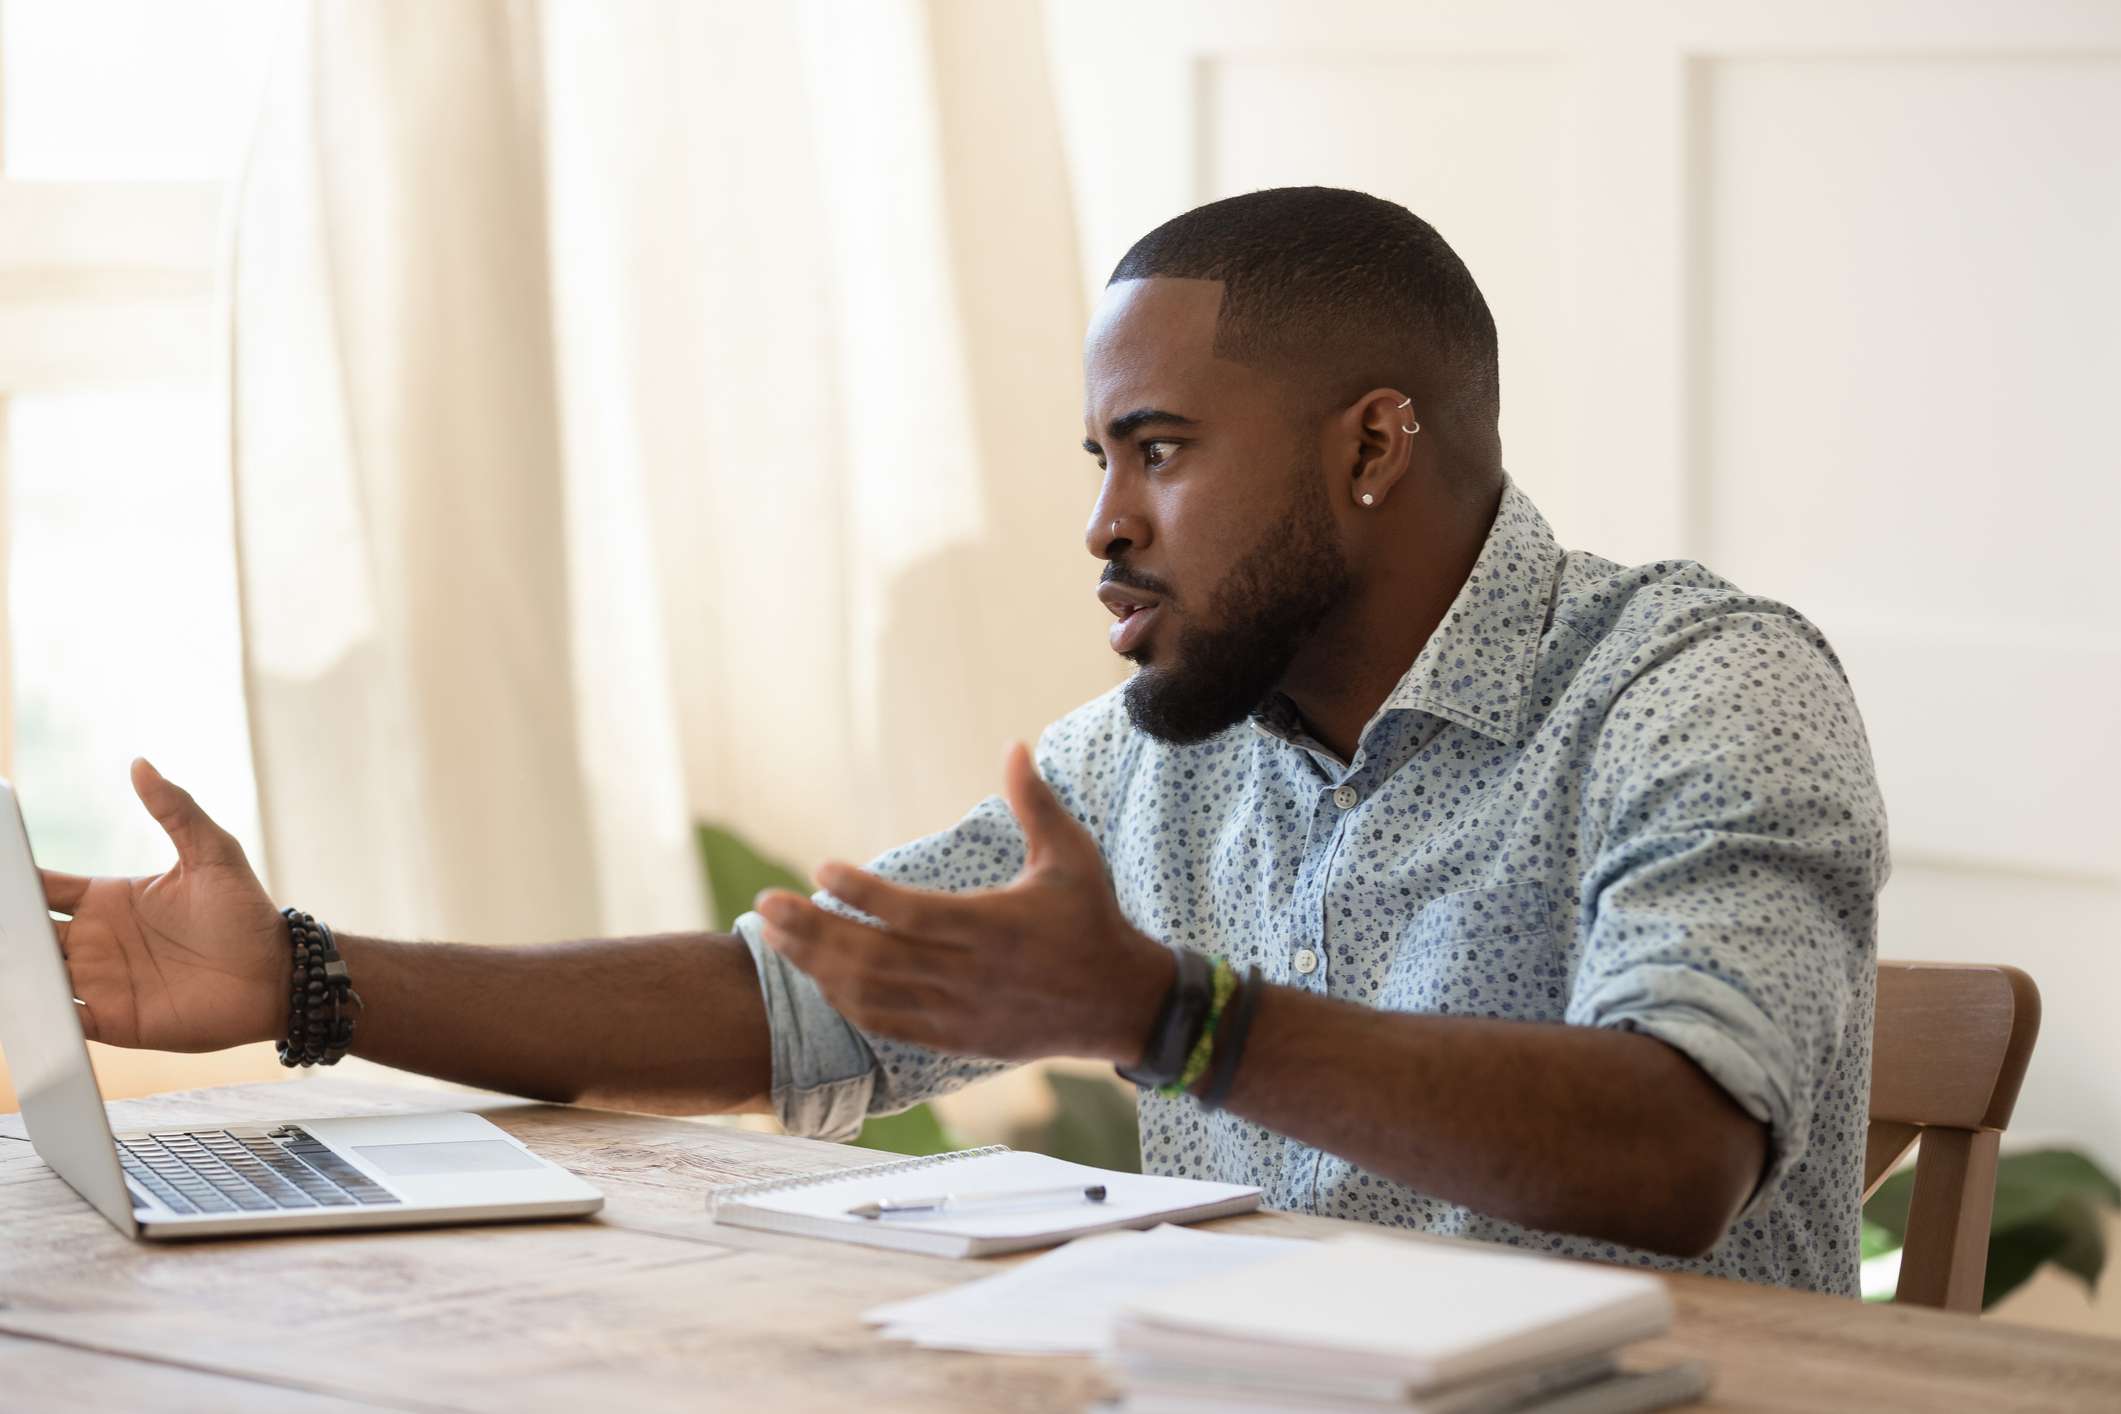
x: 1358, y: 656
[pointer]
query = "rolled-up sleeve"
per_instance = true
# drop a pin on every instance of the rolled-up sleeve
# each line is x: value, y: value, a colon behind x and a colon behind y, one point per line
x: 1730, y: 906
x: 828, y: 1075
x: 824, y: 1071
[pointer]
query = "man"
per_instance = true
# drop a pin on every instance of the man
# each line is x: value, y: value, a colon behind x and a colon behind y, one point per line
x: 1559, y: 878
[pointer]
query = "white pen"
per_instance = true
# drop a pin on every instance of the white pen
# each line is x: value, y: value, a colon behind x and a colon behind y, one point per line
x: 957, y: 1202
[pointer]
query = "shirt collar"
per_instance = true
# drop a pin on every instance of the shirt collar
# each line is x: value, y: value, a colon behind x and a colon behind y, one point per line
x: 1476, y: 668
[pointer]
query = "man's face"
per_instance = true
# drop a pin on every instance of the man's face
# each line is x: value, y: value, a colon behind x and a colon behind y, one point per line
x: 1222, y: 557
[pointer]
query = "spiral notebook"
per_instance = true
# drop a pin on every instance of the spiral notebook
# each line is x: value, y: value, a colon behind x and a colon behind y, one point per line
x: 819, y: 1205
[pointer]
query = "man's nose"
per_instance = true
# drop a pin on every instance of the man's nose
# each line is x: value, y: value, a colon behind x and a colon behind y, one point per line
x: 1115, y: 527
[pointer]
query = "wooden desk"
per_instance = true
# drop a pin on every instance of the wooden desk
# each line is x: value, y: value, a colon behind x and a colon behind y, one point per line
x: 650, y: 1307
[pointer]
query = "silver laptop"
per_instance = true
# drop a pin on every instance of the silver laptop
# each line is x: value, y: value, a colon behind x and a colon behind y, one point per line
x: 300, y: 1176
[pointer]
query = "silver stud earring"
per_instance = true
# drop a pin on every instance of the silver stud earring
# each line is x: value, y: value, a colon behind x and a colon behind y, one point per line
x: 1368, y: 499
x: 1407, y: 403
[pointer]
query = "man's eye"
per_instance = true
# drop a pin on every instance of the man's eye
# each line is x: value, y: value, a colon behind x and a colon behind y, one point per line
x: 1155, y: 453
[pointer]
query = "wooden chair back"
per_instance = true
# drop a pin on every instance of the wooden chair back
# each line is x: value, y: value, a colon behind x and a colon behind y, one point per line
x: 1947, y: 1056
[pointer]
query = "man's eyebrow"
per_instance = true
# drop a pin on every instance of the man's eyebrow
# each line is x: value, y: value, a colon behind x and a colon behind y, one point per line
x: 1128, y: 423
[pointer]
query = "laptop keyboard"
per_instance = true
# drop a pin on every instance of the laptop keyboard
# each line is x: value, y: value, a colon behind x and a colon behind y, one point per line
x: 221, y: 1171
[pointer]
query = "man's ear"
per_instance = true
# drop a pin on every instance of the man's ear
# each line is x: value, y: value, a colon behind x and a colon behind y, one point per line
x: 1378, y: 424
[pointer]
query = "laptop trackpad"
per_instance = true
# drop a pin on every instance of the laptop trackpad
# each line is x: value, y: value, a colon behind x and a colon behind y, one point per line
x: 446, y: 1156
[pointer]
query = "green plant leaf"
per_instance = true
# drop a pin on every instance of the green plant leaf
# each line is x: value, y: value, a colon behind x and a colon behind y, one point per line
x: 1094, y: 1123
x: 2030, y: 1184
x: 1887, y: 1210
x: 1877, y: 1241
x: 2014, y: 1256
x: 736, y: 872
x: 2049, y: 1208
x: 916, y: 1132
x: 2083, y: 1249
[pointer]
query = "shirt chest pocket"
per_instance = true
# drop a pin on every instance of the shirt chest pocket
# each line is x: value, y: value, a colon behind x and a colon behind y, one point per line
x: 1483, y: 952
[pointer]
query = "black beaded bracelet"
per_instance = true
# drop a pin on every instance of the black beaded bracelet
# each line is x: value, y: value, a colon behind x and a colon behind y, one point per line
x: 319, y: 1028
x: 1230, y: 1045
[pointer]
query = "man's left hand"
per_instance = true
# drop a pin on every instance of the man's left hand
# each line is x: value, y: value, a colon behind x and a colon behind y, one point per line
x: 1045, y: 966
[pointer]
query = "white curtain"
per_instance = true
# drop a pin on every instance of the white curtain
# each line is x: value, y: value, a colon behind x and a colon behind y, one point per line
x: 644, y: 413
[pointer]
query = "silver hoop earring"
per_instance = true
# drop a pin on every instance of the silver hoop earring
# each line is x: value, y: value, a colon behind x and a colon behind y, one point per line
x: 1407, y: 403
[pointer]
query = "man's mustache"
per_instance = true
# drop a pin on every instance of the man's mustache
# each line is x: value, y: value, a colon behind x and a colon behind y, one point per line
x: 1118, y: 573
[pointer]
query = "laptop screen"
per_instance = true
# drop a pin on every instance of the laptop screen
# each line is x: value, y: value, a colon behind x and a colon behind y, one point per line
x: 40, y: 1034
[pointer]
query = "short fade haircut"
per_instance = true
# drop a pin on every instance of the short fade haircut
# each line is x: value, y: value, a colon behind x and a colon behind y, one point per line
x: 1344, y: 292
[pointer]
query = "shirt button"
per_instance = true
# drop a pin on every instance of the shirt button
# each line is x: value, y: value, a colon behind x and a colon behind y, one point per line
x: 1345, y: 797
x: 1306, y: 961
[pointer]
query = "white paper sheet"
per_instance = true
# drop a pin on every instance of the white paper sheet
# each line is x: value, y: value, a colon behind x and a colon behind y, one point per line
x: 1063, y: 1303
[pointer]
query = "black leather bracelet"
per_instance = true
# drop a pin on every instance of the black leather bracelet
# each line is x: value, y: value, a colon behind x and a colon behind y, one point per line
x: 1178, y: 1024
x: 319, y: 1025
x: 1230, y: 1045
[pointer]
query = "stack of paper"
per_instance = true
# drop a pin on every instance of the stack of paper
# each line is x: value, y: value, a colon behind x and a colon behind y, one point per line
x: 1064, y: 1302
x: 1364, y: 1323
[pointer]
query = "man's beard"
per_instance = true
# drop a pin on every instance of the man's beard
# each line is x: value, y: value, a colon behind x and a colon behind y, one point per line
x: 1263, y: 611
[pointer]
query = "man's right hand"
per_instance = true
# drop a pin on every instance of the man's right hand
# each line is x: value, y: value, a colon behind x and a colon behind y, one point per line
x: 194, y: 959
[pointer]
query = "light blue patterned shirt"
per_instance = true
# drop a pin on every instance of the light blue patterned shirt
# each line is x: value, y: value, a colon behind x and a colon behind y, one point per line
x: 1636, y: 798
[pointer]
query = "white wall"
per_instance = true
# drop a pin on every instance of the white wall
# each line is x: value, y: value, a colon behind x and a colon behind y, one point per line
x: 1823, y: 294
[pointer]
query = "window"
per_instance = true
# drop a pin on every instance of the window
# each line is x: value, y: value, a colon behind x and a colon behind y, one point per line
x: 120, y: 123
x: 129, y: 90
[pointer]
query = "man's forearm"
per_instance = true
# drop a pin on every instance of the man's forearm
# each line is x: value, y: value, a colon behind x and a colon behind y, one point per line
x: 673, y: 1024
x: 1575, y: 1129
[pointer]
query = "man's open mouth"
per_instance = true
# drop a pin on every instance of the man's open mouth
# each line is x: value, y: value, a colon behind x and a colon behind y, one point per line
x: 1136, y: 610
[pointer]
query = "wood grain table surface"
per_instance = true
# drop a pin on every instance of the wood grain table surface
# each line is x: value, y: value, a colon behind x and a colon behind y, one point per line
x: 649, y: 1306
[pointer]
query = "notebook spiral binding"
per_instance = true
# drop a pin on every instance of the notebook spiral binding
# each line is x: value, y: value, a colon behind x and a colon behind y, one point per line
x: 718, y: 1196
